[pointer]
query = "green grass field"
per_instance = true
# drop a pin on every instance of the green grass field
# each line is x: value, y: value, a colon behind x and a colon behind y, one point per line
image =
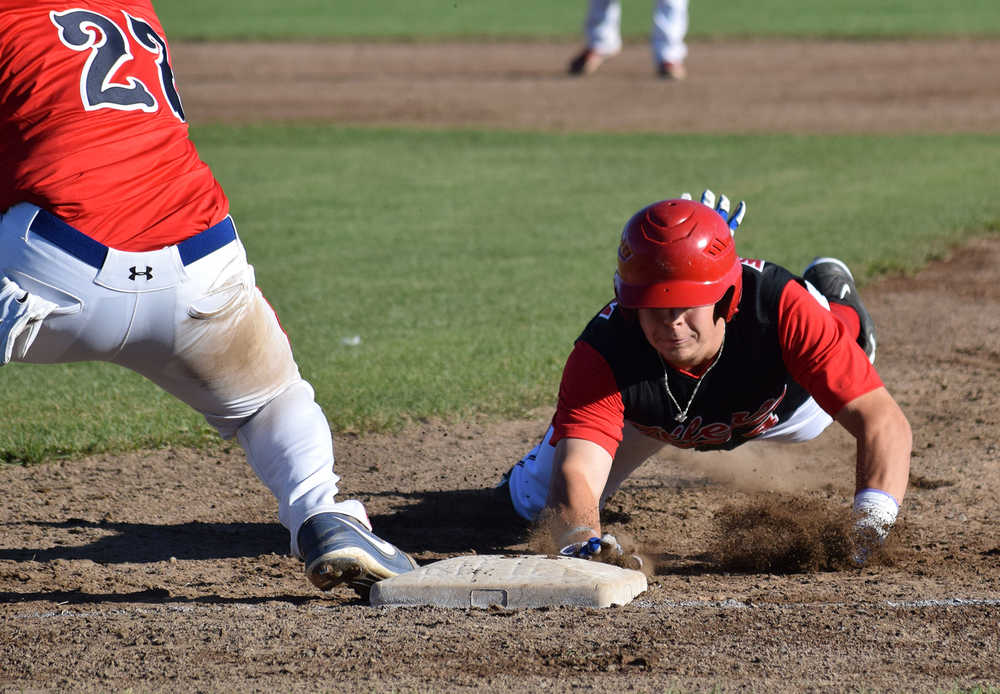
x: 467, y: 262
x: 486, y: 19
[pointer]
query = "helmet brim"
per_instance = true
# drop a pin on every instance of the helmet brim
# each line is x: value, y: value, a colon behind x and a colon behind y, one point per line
x: 675, y: 293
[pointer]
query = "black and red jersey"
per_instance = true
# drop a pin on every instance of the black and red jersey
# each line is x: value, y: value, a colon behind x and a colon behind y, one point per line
x: 780, y: 348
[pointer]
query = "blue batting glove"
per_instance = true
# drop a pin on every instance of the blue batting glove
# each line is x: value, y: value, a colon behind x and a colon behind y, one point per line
x: 582, y: 550
x: 721, y: 205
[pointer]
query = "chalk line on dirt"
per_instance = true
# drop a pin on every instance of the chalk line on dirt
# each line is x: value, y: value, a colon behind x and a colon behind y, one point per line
x: 930, y: 603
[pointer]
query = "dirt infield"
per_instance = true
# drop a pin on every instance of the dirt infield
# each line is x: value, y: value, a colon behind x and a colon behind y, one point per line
x: 167, y: 570
x: 749, y: 86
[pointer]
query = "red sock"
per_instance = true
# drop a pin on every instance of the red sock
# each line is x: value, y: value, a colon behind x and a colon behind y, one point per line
x: 848, y: 317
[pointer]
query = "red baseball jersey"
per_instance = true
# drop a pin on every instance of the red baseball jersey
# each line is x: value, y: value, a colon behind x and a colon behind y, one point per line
x: 92, y: 127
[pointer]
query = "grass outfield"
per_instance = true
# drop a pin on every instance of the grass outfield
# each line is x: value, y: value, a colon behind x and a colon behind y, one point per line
x: 436, y: 19
x: 468, y: 262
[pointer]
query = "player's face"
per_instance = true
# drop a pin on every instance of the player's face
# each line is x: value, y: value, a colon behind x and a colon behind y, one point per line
x: 686, y: 338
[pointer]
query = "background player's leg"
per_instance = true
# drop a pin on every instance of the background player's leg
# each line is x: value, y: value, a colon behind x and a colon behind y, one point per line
x: 603, y: 26
x: 670, y: 26
x: 602, y: 30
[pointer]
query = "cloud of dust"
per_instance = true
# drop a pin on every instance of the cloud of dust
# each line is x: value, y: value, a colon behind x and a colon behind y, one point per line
x: 784, y: 468
x: 779, y: 533
x: 784, y: 528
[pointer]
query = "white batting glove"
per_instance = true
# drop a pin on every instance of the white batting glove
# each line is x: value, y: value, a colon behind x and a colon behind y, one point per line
x: 874, y: 513
x: 21, y: 316
x: 610, y: 548
x: 721, y: 206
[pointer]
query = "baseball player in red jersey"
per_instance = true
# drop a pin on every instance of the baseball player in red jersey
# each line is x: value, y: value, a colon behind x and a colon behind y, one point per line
x: 702, y: 349
x: 116, y: 245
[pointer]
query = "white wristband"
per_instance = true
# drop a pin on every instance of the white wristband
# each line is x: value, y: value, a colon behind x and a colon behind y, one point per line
x: 876, y: 509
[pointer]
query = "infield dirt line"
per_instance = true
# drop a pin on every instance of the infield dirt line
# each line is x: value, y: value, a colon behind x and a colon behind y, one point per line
x: 933, y: 603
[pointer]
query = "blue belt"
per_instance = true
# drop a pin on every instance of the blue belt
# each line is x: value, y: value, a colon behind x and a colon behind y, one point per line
x: 92, y: 252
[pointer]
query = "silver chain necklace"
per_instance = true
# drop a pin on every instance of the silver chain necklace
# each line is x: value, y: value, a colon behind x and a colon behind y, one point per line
x: 682, y: 415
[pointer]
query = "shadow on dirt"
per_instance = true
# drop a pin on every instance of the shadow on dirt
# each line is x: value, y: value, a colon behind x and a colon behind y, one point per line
x: 146, y: 543
x: 151, y: 596
x: 453, y: 522
x: 773, y: 535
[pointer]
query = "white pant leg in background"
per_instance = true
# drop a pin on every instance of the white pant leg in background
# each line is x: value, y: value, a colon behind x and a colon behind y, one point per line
x: 204, y: 333
x: 603, y: 26
x: 807, y: 422
x: 669, y: 29
x: 670, y: 26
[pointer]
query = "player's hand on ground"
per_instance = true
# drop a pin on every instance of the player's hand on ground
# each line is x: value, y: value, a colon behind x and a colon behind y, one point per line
x: 722, y: 205
x: 868, y: 534
x: 874, y: 514
x: 585, y: 549
x: 605, y: 549
x: 611, y: 550
x: 865, y: 542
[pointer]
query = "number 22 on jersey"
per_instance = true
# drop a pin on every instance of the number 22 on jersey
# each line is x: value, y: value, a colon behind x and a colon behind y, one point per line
x: 109, y: 50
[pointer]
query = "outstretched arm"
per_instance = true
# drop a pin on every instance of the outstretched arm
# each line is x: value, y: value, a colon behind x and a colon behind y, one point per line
x: 884, y: 442
x: 579, y: 474
x: 883, y: 466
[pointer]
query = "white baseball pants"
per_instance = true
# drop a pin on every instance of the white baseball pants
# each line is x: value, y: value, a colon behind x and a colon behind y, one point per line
x: 670, y: 26
x: 190, y: 319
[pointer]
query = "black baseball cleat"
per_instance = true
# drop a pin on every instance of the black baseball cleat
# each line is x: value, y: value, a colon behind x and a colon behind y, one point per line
x: 340, y: 549
x: 834, y: 280
x: 587, y: 61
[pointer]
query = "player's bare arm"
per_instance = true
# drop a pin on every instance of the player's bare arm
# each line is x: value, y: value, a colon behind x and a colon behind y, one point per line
x: 884, y: 442
x: 580, y: 473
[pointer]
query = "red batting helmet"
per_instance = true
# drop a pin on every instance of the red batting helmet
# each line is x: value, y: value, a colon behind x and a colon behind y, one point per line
x: 676, y: 254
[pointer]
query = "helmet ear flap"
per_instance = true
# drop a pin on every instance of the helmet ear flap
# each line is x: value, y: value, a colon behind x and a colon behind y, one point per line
x: 728, y: 305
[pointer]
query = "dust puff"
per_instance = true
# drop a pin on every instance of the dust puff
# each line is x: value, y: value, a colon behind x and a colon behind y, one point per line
x: 781, y: 534
x: 764, y: 467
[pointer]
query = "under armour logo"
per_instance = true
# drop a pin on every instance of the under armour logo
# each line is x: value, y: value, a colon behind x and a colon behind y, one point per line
x: 148, y: 274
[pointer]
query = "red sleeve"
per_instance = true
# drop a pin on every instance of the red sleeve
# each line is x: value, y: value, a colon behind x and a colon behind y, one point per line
x: 590, y: 404
x: 819, y: 353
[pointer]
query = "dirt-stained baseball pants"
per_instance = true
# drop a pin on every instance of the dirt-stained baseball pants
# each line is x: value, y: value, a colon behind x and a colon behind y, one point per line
x: 189, y: 318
